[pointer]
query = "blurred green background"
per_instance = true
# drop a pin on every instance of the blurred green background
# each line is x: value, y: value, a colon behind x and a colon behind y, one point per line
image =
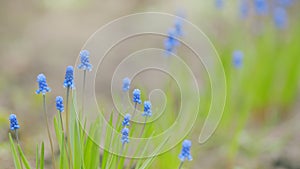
x: 260, y: 126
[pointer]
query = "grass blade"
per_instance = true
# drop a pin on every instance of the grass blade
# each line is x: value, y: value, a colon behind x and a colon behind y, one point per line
x: 42, y: 156
x: 14, y: 152
x: 23, y: 158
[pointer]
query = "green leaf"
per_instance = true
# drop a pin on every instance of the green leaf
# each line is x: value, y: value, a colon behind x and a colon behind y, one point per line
x: 147, y: 162
x: 14, y: 152
x: 42, y: 156
x: 37, y: 157
x: 24, y: 160
x: 108, y: 143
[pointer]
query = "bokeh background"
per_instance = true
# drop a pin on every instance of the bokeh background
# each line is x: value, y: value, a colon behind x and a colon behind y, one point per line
x: 260, y: 126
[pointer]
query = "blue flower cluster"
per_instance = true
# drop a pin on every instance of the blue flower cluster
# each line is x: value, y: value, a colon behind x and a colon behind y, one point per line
x: 137, y: 96
x: 69, y: 78
x: 125, y: 135
x: 43, y: 86
x: 14, y: 125
x: 85, y: 60
x: 147, y: 109
x: 59, y: 104
x: 126, y: 84
x: 237, y: 58
x: 261, y: 7
x: 126, y: 121
x: 244, y: 8
x: 171, y: 41
x: 280, y: 17
x: 185, y: 151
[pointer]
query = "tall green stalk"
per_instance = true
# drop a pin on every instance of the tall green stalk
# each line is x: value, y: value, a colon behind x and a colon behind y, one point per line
x: 48, y: 131
x: 68, y: 127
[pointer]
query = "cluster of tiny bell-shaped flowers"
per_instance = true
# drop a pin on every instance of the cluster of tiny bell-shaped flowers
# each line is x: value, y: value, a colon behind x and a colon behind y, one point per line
x: 59, y: 104
x: 171, y: 42
x: 14, y: 125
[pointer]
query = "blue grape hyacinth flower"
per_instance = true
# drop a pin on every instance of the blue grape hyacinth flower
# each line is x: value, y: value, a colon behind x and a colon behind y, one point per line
x: 178, y: 27
x: 126, y: 84
x: 14, y: 125
x: 85, y: 61
x: 185, y: 151
x: 147, y: 109
x: 137, y: 96
x: 261, y: 7
x: 69, y: 77
x: 43, y: 86
x: 219, y: 4
x: 59, y: 103
x: 125, y: 134
x: 237, y: 58
x: 280, y: 17
x: 244, y: 8
x: 171, y: 42
x: 126, y: 121
x: 285, y: 3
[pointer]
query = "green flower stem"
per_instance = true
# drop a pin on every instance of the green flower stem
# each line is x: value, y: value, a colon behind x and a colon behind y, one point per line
x: 181, y: 164
x: 83, y: 91
x: 48, y: 131
x: 17, y: 138
x: 68, y: 128
x: 135, y: 105
x: 61, y: 122
x: 143, y: 126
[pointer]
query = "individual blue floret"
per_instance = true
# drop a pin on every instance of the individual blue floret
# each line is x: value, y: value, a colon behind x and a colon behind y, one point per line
x: 185, y: 151
x: 69, y: 77
x: 43, y: 86
x: 14, y: 125
x: 85, y: 60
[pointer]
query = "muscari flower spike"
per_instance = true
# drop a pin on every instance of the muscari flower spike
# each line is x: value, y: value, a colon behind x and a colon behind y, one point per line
x: 171, y: 42
x: 185, y: 151
x: 43, y: 86
x: 147, y: 109
x: 219, y: 4
x: 137, y: 96
x: 59, y: 104
x: 285, y: 3
x: 126, y: 84
x: 261, y: 7
x: 237, y: 58
x: 178, y: 27
x: 125, y: 134
x: 69, y: 77
x: 244, y: 8
x: 14, y: 125
x: 126, y: 121
x: 280, y: 17
x: 85, y: 60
